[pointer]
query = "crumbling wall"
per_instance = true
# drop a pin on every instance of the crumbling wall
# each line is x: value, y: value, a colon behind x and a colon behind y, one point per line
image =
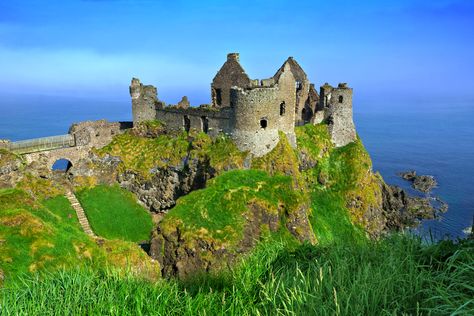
x: 144, y: 101
x: 263, y: 111
x: 338, y: 113
x: 202, y: 119
x: 314, y: 103
x: 231, y: 74
x: 87, y: 135
x: 94, y: 133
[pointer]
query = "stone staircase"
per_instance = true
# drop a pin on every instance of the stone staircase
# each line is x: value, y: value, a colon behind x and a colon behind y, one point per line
x: 80, y: 213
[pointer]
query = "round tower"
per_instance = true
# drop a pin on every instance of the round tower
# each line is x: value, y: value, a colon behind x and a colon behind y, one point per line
x: 261, y: 112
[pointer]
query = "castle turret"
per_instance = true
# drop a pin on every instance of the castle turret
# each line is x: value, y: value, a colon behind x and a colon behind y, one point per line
x: 261, y: 112
x: 144, y: 101
x: 338, y: 113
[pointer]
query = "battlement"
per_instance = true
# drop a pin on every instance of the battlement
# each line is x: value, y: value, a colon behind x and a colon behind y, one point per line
x: 254, y: 111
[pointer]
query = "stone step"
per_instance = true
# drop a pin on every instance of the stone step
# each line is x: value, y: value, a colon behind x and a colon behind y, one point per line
x: 76, y: 205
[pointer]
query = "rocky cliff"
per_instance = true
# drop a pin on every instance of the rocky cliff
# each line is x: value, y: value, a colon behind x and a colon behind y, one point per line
x: 216, y: 203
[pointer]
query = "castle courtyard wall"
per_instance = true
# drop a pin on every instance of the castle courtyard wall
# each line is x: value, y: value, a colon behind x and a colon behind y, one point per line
x: 218, y: 121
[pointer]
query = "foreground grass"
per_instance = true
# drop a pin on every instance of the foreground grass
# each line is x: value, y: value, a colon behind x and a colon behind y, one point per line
x: 115, y: 214
x: 394, y: 276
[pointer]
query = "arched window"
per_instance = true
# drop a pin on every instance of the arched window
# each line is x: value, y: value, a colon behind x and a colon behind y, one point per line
x: 263, y: 123
x: 341, y: 98
x: 282, y: 108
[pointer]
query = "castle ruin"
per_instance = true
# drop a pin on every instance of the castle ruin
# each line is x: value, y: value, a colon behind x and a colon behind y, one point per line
x: 251, y: 111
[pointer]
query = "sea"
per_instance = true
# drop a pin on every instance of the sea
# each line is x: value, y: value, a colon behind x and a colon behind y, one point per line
x: 432, y: 137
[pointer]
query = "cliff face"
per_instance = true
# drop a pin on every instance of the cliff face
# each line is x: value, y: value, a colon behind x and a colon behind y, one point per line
x: 217, y: 203
x: 202, y: 230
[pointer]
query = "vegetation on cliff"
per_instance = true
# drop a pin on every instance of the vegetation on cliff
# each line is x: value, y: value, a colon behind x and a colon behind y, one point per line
x: 284, y: 233
x: 142, y: 154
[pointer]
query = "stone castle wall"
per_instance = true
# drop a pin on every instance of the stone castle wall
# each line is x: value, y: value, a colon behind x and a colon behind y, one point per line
x: 144, y: 101
x: 206, y: 120
x: 253, y: 111
x: 87, y: 135
x: 339, y: 116
x: 260, y: 113
x: 231, y: 74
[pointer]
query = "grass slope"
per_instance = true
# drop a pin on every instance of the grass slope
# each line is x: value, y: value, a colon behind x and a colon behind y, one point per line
x: 114, y: 213
x: 141, y: 154
x: 45, y: 235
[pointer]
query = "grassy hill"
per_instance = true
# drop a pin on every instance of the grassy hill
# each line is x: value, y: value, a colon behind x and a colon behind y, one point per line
x: 44, y: 235
x: 289, y: 232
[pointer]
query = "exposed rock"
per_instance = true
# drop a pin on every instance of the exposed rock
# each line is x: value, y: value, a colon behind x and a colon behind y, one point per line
x: 182, y: 258
x: 10, y: 169
x: 148, y: 129
x: 100, y: 170
x: 421, y: 183
x: 160, y: 192
x: 402, y: 210
x: 299, y: 226
x: 408, y: 175
x: 424, y: 183
x: 306, y: 162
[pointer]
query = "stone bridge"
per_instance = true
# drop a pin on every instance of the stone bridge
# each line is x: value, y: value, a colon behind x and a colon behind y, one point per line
x: 74, y: 146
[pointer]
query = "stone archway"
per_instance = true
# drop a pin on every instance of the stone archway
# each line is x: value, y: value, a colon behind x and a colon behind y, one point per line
x: 61, y: 165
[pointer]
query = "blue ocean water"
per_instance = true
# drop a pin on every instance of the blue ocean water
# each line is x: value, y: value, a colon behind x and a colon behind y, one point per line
x: 437, y: 140
x: 434, y: 139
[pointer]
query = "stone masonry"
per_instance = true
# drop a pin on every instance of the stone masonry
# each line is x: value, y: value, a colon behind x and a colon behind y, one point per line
x: 253, y: 111
x: 87, y: 135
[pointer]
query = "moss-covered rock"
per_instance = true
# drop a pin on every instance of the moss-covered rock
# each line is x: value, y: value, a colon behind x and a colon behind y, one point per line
x: 11, y: 166
x: 208, y: 228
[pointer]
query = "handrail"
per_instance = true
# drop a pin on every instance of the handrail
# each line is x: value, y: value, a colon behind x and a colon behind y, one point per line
x: 40, y: 144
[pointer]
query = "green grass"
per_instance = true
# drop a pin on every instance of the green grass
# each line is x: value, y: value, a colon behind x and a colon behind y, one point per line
x: 61, y: 207
x: 44, y: 235
x: 395, y: 276
x: 219, y: 210
x: 331, y: 221
x: 37, y: 237
x: 141, y: 154
x: 114, y: 213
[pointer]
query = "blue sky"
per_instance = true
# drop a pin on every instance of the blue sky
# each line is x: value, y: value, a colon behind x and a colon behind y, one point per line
x: 384, y: 49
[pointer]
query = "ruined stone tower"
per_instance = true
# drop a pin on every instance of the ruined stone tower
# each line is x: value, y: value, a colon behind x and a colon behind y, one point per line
x: 144, y: 101
x: 337, y: 104
x: 252, y: 111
